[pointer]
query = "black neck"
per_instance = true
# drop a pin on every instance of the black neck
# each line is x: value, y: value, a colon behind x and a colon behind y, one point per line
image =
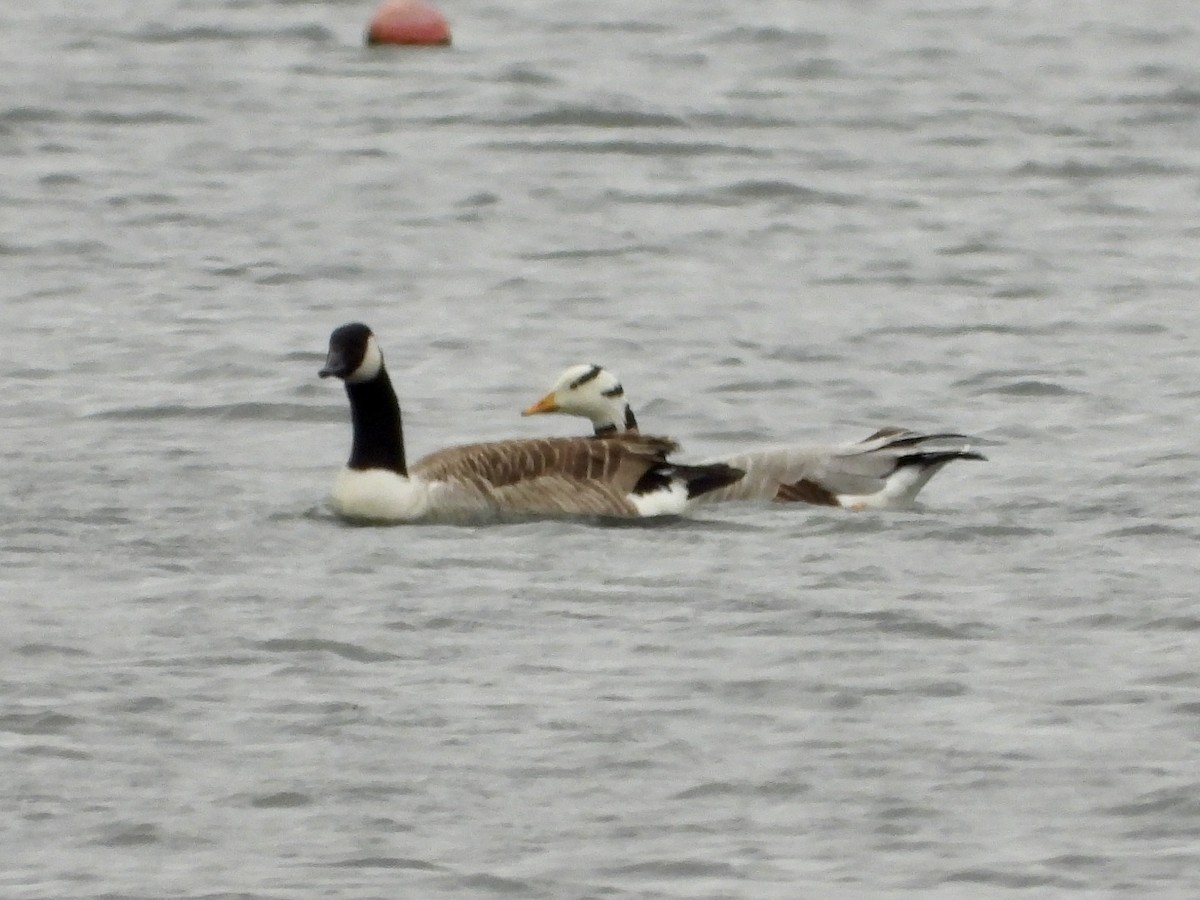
x: 611, y: 427
x: 630, y: 421
x: 375, y: 415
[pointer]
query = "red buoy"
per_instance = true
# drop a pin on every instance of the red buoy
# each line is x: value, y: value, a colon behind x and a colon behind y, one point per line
x: 407, y: 22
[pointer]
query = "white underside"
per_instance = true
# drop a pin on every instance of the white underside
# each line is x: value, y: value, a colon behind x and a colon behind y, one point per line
x: 899, y: 491
x: 832, y: 468
x: 380, y: 496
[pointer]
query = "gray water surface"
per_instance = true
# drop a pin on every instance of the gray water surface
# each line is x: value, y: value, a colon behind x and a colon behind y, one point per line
x: 777, y: 222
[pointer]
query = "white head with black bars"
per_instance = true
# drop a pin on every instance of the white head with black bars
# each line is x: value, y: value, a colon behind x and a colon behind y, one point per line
x: 354, y: 355
x: 590, y: 391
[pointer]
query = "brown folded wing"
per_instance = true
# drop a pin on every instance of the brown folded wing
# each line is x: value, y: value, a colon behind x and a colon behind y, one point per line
x: 582, y: 475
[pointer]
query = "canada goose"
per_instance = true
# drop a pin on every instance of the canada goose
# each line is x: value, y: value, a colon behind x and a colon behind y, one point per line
x: 626, y: 476
x: 884, y: 471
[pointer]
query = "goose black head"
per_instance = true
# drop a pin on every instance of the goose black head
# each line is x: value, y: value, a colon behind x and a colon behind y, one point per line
x: 354, y: 355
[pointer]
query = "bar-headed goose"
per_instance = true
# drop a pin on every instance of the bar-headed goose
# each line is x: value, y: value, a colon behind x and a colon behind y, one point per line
x: 885, y: 471
x: 625, y: 476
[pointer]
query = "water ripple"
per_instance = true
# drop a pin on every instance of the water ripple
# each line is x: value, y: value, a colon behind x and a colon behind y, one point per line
x: 1007, y: 878
x: 1082, y: 171
x: 768, y: 35
x: 134, y: 835
x: 673, y: 869
x: 281, y: 800
x: 142, y: 117
x: 190, y: 35
x: 595, y: 117
x: 1181, y: 802
x: 247, y: 412
x: 497, y: 884
x: 352, y: 652
x: 49, y: 650
x: 37, y: 722
x: 50, y: 752
x: 386, y: 862
x: 629, y: 147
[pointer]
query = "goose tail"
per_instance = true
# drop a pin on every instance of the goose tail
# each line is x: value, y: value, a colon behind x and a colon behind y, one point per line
x: 918, y: 457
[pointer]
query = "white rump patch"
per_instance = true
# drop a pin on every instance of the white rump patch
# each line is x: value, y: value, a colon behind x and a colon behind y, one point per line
x: 669, y: 501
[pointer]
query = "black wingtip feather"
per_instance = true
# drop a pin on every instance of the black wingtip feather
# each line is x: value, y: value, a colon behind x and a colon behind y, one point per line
x: 924, y: 460
x: 704, y: 479
x: 903, y: 438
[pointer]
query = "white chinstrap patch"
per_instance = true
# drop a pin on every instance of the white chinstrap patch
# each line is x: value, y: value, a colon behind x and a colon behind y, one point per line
x: 371, y: 364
